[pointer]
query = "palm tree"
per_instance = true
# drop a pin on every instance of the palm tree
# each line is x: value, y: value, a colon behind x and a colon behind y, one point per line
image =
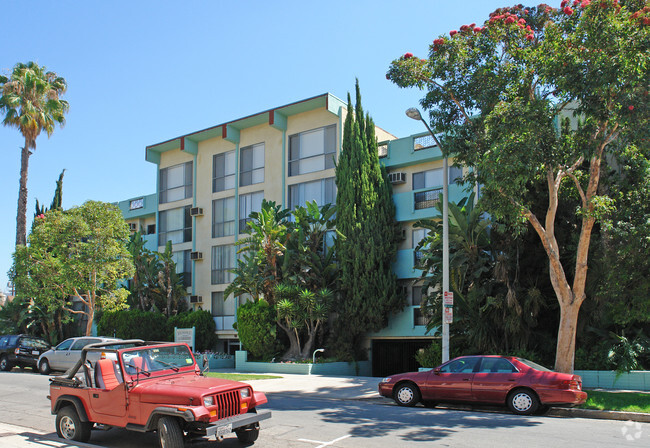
x: 30, y: 100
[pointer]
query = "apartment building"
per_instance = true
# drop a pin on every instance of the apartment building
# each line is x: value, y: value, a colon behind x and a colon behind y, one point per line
x: 209, y: 181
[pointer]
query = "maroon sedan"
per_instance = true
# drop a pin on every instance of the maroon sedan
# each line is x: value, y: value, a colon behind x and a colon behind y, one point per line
x: 520, y: 384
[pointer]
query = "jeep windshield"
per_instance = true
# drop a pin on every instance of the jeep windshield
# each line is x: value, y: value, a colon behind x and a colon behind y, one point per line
x: 147, y: 360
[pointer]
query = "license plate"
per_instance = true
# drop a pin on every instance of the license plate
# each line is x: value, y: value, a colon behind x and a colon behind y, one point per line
x: 35, y: 352
x: 224, y: 430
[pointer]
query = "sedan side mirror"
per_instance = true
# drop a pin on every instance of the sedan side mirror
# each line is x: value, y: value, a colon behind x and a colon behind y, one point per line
x: 436, y: 371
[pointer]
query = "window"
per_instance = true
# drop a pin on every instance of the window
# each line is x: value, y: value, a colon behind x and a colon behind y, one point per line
x: 223, y: 171
x: 223, y: 217
x: 251, y: 168
x: 183, y: 265
x: 223, y: 311
x: 416, y: 296
x: 175, y: 226
x: 418, y: 236
x: 496, y: 365
x: 223, y: 259
x: 249, y: 203
x: 312, y: 150
x: 382, y: 150
x: 462, y: 365
x: 433, y: 178
x: 419, y: 319
x: 322, y: 191
x: 176, y: 183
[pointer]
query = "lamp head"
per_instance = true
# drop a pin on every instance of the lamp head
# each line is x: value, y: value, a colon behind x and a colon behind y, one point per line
x: 413, y: 113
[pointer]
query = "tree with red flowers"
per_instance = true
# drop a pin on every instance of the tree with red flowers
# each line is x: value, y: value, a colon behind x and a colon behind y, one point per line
x: 542, y: 95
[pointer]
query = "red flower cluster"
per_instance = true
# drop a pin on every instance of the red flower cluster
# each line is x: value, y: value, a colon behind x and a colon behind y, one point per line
x: 568, y: 11
x: 41, y: 216
x: 438, y: 42
x: 408, y: 55
x: 643, y: 15
x: 452, y: 33
x: 631, y: 108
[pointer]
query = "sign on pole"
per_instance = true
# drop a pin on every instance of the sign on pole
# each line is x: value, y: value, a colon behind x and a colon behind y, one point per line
x: 187, y: 335
x: 449, y: 315
x: 448, y: 298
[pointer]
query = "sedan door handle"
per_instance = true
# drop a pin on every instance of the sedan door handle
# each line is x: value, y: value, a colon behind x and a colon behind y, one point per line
x: 513, y: 380
x: 465, y: 379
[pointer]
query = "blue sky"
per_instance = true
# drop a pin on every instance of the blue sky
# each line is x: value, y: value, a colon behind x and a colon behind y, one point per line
x: 142, y: 72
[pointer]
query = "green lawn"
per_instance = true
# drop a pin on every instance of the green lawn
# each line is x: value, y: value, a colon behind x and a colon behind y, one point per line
x: 618, y: 401
x: 240, y: 376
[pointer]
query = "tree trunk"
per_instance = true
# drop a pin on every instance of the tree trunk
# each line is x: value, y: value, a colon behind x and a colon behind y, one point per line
x: 294, y: 342
x: 21, y: 216
x: 566, y: 336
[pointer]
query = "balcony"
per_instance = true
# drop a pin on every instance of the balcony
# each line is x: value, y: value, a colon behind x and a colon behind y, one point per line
x: 421, y: 204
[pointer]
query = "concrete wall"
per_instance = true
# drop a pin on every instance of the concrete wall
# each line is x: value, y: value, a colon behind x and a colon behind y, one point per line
x: 362, y: 368
x: 606, y: 379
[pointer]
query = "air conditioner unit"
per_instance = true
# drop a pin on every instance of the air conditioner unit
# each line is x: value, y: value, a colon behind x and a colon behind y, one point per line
x: 397, y: 178
x: 133, y: 227
x: 196, y: 299
x: 196, y: 255
x: 196, y: 211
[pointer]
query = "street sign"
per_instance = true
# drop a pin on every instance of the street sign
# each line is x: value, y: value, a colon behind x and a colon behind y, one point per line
x: 187, y: 335
x: 448, y: 298
x: 449, y: 315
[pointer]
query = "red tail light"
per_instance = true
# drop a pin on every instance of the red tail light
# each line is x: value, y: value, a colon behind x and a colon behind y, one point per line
x: 571, y: 384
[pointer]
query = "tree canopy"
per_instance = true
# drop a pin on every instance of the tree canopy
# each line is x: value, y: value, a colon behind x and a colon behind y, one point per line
x: 30, y: 99
x: 542, y: 95
x: 76, y: 254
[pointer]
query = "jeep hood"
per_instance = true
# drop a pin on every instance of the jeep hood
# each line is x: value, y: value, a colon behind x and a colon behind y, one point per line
x: 182, y: 390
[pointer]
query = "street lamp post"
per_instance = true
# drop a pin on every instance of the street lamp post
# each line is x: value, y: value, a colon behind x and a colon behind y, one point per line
x: 414, y: 113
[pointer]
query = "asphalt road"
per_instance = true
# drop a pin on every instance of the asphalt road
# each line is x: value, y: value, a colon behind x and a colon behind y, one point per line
x: 304, y: 422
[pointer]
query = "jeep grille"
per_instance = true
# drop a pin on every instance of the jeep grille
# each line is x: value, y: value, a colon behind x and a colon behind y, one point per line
x: 228, y: 404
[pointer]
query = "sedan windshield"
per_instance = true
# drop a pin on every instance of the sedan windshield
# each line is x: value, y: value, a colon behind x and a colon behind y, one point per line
x: 153, y: 359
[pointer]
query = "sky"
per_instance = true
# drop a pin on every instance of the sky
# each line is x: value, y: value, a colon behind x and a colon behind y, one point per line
x: 142, y: 72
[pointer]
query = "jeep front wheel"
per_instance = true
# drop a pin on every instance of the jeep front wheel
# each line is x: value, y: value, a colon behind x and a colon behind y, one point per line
x: 248, y: 434
x: 170, y: 433
x: 70, y: 427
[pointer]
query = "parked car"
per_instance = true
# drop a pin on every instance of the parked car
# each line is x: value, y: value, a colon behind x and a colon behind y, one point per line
x: 67, y: 353
x: 152, y: 387
x: 20, y: 350
x: 522, y: 385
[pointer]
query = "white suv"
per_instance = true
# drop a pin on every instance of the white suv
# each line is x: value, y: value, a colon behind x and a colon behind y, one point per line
x: 67, y: 353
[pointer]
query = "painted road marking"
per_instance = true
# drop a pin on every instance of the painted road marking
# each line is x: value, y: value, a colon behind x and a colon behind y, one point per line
x: 324, y: 444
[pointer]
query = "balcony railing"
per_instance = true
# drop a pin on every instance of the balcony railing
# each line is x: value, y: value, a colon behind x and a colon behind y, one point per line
x: 426, y: 199
x: 224, y: 322
x: 423, y: 142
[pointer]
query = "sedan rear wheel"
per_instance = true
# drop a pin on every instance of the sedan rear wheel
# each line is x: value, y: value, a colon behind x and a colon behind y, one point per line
x: 4, y: 364
x: 407, y: 394
x: 523, y: 402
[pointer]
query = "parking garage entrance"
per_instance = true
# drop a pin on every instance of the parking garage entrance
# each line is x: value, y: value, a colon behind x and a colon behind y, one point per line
x: 390, y: 356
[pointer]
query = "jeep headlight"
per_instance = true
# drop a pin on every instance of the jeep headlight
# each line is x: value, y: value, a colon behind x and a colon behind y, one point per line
x: 245, y: 393
x: 208, y: 401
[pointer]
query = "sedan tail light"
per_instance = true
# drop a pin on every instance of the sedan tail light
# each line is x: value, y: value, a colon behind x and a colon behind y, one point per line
x: 570, y: 384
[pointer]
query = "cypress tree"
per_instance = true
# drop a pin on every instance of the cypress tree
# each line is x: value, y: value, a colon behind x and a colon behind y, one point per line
x: 368, y: 287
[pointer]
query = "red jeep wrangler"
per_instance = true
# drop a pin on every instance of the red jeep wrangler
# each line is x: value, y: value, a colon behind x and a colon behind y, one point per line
x: 151, y: 387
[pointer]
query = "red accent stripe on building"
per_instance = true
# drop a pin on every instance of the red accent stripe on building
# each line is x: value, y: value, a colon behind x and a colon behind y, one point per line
x: 224, y: 131
x: 182, y: 143
x: 271, y: 117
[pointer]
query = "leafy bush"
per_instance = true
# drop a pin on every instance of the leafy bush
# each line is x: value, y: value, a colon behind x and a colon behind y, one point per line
x: 430, y: 356
x: 257, y: 329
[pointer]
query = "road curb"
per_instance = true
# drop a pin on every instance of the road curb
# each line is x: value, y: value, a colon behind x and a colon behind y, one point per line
x: 598, y: 414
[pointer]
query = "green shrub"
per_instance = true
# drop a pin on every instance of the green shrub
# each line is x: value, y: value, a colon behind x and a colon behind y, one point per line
x: 257, y: 329
x: 430, y: 356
